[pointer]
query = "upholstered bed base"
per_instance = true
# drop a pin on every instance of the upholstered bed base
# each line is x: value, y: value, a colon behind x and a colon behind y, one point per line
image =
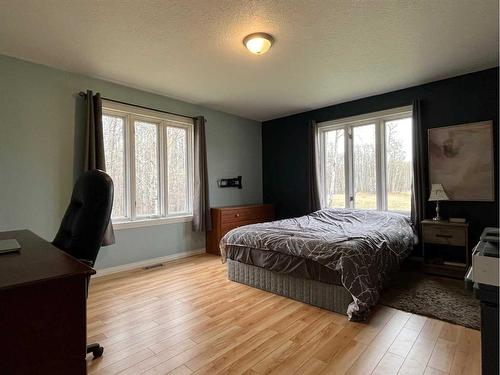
x: 327, y: 296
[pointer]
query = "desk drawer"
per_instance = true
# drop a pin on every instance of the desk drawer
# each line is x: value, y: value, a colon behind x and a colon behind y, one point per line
x: 444, y: 235
x: 262, y: 213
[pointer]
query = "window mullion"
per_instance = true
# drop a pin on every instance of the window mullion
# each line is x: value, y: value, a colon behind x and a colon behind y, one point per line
x: 161, y: 167
x: 132, y: 184
x: 165, y: 169
x: 324, y: 168
x: 380, y: 164
x: 126, y: 147
x: 349, y: 168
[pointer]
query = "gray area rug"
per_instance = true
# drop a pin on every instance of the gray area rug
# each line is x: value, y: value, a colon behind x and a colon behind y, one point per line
x: 436, y: 297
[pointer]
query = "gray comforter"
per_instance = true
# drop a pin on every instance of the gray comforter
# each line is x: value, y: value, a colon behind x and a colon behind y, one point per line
x: 364, y: 246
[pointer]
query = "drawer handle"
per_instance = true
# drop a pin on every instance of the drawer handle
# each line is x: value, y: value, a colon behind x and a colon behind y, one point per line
x: 237, y: 215
x: 444, y: 235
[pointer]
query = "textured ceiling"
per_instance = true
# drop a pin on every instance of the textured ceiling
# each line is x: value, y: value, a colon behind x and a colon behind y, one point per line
x: 325, y: 52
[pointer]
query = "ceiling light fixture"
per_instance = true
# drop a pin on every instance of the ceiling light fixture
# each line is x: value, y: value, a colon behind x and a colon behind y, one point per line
x: 258, y: 43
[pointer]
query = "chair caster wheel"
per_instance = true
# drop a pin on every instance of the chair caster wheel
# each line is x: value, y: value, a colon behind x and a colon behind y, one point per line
x: 97, y: 352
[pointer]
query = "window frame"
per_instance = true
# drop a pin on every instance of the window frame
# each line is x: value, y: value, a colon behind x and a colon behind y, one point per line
x: 348, y: 124
x: 163, y: 121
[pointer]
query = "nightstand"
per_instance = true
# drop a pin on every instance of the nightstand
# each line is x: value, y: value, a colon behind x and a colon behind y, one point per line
x: 445, y: 247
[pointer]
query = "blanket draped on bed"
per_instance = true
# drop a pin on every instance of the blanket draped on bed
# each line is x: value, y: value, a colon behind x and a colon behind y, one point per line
x: 364, y: 246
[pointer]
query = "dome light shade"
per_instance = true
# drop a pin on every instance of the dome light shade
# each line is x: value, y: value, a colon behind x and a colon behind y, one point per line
x: 258, y: 43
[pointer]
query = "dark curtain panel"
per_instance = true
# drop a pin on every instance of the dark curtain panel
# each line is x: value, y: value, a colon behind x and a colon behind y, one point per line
x: 201, y: 204
x: 314, y: 197
x: 418, y: 185
x: 94, y: 147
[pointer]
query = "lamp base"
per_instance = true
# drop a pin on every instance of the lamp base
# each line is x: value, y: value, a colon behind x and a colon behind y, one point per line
x: 437, y: 217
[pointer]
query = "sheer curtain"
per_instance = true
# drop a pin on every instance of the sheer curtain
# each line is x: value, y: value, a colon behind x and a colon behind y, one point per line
x: 201, y: 203
x: 94, y: 147
x: 314, y: 198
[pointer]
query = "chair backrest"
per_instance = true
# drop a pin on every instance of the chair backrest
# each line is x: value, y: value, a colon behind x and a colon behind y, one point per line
x: 87, y: 216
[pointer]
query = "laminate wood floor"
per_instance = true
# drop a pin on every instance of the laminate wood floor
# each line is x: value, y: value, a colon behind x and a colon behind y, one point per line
x: 188, y: 318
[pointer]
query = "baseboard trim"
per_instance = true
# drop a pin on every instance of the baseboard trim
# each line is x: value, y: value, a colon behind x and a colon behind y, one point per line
x: 148, y: 262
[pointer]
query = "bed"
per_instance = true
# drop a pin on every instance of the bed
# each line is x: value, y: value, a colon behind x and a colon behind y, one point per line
x: 337, y: 259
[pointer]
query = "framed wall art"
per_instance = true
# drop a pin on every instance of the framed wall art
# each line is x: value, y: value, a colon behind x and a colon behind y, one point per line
x: 461, y: 159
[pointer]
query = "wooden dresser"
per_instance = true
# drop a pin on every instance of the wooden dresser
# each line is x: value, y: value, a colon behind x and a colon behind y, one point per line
x: 226, y: 218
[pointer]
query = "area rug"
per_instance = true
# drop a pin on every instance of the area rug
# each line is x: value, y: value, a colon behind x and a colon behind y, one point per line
x: 436, y: 297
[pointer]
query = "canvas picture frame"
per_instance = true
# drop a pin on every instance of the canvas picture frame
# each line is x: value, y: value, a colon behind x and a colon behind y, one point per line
x: 461, y: 158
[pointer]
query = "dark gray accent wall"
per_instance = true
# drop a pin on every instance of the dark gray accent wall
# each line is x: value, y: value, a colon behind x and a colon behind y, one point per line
x: 468, y: 98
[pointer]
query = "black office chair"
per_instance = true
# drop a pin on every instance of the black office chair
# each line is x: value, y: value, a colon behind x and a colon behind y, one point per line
x: 85, y: 222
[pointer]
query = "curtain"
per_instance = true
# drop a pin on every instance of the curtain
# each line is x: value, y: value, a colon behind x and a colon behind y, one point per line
x: 201, y: 204
x: 418, y: 184
x: 94, y: 147
x: 314, y: 197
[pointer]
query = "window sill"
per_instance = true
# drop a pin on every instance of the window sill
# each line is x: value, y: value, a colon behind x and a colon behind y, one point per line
x: 151, y: 222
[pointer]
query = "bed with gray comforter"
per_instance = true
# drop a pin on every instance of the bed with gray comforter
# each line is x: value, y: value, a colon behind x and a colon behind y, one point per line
x: 357, y: 249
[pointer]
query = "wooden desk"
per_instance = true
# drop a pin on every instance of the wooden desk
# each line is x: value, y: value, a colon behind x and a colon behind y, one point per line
x: 42, y: 309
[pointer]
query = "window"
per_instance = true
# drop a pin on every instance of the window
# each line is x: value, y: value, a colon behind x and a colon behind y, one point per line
x: 366, y: 161
x: 364, y: 157
x: 147, y: 166
x: 149, y: 157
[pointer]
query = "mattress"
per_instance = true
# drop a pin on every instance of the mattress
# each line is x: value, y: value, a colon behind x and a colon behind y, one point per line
x: 284, y: 264
x: 362, y: 247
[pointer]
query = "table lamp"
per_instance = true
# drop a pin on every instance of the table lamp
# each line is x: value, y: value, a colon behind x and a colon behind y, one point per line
x: 437, y: 194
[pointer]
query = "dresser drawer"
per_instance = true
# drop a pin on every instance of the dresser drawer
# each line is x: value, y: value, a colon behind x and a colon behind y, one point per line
x: 245, y: 214
x: 228, y: 226
x: 225, y: 219
x: 444, y: 235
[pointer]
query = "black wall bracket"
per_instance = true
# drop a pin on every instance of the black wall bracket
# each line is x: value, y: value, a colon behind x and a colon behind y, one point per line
x: 230, y: 182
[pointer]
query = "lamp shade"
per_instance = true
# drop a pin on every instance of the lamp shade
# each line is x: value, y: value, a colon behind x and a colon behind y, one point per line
x: 438, y: 193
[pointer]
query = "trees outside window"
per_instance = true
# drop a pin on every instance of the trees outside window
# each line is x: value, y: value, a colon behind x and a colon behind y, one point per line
x: 114, y: 154
x: 366, y: 162
x: 149, y: 157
